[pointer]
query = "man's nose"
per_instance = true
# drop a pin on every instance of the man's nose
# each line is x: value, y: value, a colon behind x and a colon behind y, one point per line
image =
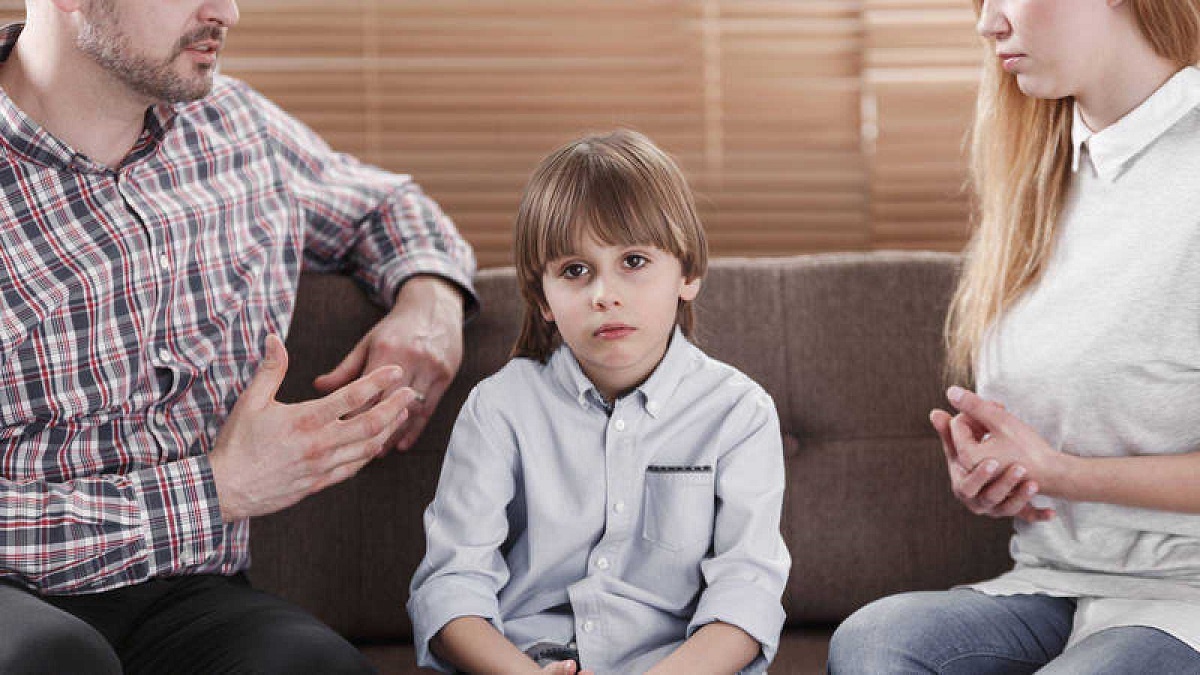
x: 221, y: 12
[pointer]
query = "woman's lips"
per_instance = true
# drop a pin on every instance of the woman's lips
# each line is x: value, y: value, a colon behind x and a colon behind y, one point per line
x: 1011, y: 61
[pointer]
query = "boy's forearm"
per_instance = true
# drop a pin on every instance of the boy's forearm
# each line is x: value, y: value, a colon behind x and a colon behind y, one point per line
x: 715, y: 648
x: 472, y: 644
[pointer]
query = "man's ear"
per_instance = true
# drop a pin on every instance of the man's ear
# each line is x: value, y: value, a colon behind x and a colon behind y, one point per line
x: 690, y: 290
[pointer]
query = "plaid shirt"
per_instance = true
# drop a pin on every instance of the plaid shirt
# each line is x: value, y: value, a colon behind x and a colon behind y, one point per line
x: 134, y: 305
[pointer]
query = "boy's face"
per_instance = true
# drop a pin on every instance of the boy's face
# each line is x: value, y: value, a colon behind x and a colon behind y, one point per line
x: 615, y: 308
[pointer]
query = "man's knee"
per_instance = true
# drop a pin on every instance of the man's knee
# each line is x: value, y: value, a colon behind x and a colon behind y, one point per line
x: 55, y: 644
x: 300, y: 646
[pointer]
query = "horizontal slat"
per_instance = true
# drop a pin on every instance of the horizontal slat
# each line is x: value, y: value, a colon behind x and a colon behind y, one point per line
x: 802, y: 125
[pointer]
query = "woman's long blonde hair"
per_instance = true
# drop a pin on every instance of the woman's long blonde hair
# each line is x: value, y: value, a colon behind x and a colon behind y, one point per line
x: 1020, y: 153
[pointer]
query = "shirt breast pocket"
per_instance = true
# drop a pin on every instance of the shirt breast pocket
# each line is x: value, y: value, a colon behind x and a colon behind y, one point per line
x: 679, y: 506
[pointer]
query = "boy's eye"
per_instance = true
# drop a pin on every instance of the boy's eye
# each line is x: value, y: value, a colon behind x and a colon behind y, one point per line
x: 574, y: 270
x: 635, y: 260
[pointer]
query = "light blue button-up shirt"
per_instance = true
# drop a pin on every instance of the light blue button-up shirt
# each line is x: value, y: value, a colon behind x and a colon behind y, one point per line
x: 623, y: 532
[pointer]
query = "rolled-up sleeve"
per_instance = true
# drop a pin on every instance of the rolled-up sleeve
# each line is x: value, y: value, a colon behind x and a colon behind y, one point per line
x: 465, y: 526
x: 746, y: 575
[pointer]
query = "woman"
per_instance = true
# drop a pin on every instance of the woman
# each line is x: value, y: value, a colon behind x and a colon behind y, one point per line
x: 1079, y: 314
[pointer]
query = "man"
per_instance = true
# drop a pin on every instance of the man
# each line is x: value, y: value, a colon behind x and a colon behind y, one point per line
x: 154, y: 221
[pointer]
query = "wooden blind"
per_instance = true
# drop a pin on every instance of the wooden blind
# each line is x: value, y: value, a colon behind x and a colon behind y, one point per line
x: 803, y: 125
x: 920, y: 74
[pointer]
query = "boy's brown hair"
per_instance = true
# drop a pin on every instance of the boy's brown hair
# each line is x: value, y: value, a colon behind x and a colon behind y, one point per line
x: 621, y: 189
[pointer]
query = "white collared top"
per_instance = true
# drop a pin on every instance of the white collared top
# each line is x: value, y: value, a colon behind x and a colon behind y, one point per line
x: 1102, y: 358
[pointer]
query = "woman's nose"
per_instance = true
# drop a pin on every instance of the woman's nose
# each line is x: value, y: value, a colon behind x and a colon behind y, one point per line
x: 993, y: 24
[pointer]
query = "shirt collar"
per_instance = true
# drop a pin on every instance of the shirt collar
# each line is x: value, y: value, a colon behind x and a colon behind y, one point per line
x: 1113, y: 147
x: 653, y: 393
x: 28, y: 138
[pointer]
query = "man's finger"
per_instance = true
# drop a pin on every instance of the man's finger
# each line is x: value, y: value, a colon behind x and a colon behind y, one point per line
x: 366, y: 449
x: 410, y: 433
x: 382, y: 420
x: 351, y: 399
x: 271, y: 370
x: 345, y: 372
x: 431, y: 383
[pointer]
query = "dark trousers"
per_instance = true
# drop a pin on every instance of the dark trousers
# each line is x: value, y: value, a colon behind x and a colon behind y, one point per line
x: 195, y: 624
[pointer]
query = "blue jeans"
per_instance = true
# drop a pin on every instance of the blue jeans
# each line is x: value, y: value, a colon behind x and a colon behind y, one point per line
x: 966, y: 632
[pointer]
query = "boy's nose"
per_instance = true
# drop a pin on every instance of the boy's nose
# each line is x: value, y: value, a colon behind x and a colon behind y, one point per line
x: 604, y: 295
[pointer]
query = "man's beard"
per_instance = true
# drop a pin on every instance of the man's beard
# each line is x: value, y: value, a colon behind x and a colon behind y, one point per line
x: 103, y: 40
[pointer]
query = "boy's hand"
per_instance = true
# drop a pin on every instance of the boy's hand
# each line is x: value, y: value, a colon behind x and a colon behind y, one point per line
x: 564, y: 668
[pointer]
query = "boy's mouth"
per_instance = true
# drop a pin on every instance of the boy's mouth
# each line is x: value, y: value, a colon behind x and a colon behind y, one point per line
x: 613, y: 331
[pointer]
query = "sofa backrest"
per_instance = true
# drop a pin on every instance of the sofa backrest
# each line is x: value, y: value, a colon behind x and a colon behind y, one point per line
x: 848, y: 345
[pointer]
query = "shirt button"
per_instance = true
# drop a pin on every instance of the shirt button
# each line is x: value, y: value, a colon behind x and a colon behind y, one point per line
x: 619, y: 425
x: 160, y: 418
x: 619, y: 507
x: 652, y: 407
x: 588, y: 626
x: 164, y: 262
x: 602, y: 563
x: 164, y: 356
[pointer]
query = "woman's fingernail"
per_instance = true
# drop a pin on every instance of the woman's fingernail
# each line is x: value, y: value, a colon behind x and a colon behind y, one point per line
x: 991, y: 466
x: 1031, y: 489
x: 955, y: 393
x: 1019, y: 472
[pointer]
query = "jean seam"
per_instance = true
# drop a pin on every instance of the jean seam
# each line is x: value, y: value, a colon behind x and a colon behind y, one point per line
x: 987, y: 653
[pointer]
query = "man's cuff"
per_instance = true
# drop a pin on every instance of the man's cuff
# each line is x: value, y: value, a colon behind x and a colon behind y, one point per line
x: 438, y: 602
x: 747, y: 606
x: 386, y: 282
x: 180, y: 514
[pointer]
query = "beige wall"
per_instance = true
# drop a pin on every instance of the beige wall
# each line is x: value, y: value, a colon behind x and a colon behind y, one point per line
x: 804, y: 125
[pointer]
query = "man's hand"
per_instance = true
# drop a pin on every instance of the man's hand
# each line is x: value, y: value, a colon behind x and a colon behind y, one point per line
x: 423, y: 335
x: 270, y: 455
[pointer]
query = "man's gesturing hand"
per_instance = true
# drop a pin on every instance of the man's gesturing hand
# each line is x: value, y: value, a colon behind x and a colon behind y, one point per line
x: 270, y: 455
x: 423, y: 335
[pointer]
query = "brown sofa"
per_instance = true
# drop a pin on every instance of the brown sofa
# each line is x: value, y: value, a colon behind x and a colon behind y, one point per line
x: 847, y: 344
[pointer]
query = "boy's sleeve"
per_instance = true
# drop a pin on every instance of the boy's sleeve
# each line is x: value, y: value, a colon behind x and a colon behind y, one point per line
x: 746, y: 575
x: 465, y: 526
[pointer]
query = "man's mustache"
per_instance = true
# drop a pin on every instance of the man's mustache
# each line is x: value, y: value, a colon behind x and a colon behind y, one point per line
x: 202, y: 34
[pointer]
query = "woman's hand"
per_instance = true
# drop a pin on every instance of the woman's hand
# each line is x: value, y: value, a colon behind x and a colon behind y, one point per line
x: 996, y: 485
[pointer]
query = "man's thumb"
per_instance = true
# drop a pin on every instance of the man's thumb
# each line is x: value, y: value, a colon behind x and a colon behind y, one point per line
x: 271, y: 370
